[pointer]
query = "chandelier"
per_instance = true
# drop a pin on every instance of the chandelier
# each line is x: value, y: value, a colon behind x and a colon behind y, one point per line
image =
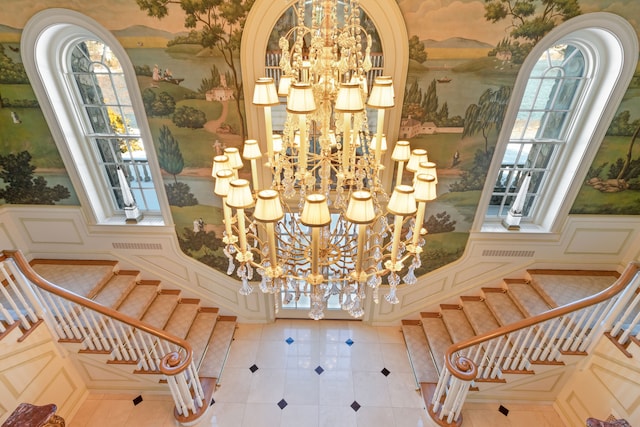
x: 325, y: 227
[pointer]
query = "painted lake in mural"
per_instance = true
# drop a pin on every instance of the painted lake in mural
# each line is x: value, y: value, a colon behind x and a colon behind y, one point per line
x: 188, y: 66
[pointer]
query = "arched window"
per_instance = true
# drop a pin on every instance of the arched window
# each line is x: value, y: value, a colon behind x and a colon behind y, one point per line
x: 564, y: 99
x: 87, y: 89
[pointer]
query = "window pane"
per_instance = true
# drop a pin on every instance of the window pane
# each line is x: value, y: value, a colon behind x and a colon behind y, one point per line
x: 111, y: 122
x: 540, y: 127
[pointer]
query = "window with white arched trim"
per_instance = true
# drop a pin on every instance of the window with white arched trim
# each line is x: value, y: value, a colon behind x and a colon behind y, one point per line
x: 88, y: 92
x: 566, y: 94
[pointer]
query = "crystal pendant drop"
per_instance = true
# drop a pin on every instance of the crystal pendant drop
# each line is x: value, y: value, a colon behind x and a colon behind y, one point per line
x: 245, y: 289
x: 391, y: 297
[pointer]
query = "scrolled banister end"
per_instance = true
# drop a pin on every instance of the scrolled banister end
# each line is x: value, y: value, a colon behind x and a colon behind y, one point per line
x: 173, y: 363
x: 463, y: 368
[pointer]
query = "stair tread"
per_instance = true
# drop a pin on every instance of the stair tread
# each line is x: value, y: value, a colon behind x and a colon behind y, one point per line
x: 480, y: 317
x: 115, y: 291
x: 200, y: 333
x: 528, y: 299
x: 574, y: 286
x: 217, y: 348
x: 83, y: 280
x: 181, y: 319
x: 419, y: 353
x: 503, y: 307
x: 438, y: 338
x: 160, y: 310
x: 457, y: 324
x: 138, y: 300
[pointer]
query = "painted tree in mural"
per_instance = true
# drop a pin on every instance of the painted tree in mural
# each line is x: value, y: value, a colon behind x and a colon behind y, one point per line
x: 487, y: 114
x: 416, y: 50
x: 531, y: 19
x: 169, y: 154
x: 22, y: 187
x: 484, y: 117
x: 219, y: 24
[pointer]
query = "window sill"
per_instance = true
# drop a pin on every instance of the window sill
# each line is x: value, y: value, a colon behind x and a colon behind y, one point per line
x: 147, y: 220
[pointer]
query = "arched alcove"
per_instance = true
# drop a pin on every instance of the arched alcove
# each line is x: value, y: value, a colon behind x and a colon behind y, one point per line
x: 392, y: 30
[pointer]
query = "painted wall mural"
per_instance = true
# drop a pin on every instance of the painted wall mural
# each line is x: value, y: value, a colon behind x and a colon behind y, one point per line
x: 464, y: 54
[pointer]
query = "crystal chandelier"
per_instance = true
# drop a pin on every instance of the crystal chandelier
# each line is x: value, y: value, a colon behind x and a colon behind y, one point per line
x: 324, y: 226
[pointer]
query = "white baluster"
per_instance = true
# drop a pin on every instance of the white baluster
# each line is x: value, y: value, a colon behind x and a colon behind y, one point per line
x: 17, y: 314
x: 108, y: 334
x: 517, y: 347
x: 582, y: 316
x: 181, y: 380
x: 134, y: 352
x: 177, y: 396
x: 28, y: 307
x: 61, y: 329
x: 120, y: 348
x: 502, y: 347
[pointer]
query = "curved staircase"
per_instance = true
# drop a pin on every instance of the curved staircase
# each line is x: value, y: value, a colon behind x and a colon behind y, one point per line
x: 117, y: 351
x: 507, y: 361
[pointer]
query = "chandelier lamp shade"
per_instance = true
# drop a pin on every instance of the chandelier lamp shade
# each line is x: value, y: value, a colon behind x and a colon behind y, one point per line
x: 323, y: 228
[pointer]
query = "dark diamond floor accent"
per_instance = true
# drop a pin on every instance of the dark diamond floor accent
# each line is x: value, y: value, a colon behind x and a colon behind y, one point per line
x: 349, y: 342
x: 137, y: 400
x: 385, y: 372
x: 282, y: 404
x: 212, y: 402
x: 319, y: 370
x: 289, y: 340
x: 253, y: 368
x: 355, y: 406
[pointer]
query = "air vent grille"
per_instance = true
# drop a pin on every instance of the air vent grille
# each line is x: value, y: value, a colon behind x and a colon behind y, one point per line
x: 138, y: 246
x: 508, y: 253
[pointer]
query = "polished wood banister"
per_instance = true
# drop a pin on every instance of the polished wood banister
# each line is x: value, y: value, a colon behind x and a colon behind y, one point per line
x: 172, y: 363
x: 464, y: 369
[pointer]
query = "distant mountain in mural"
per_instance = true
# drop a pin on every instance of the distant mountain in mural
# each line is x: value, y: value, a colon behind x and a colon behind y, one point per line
x: 8, y: 29
x: 144, y: 31
x: 455, y: 43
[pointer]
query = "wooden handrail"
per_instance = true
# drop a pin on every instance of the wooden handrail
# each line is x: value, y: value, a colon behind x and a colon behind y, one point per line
x: 171, y: 364
x: 466, y: 370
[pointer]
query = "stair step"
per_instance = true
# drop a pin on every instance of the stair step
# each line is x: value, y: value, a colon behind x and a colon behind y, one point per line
x: 437, y: 336
x: 116, y: 290
x: 456, y: 322
x: 480, y: 316
x: 161, y: 308
x: 576, y: 284
x: 419, y: 351
x: 182, y: 317
x: 218, y: 347
x: 200, y: 333
x: 527, y: 298
x: 502, y: 306
x: 138, y: 300
x: 82, y: 278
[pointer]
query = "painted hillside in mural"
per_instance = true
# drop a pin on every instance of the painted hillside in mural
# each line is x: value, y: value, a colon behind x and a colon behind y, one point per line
x: 464, y: 59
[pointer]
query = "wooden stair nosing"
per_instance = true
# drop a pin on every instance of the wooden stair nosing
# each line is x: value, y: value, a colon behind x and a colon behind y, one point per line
x: 72, y: 262
x: 573, y: 272
x: 26, y: 332
x: 621, y: 347
x: 8, y: 328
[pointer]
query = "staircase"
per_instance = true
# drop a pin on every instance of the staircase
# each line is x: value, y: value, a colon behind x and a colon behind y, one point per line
x: 480, y: 342
x: 136, y: 324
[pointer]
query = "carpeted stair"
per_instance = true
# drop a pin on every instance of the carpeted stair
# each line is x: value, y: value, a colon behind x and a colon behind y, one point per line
x: 209, y: 334
x: 428, y: 338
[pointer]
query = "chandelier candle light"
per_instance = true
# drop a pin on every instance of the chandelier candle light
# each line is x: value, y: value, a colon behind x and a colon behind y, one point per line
x: 321, y: 230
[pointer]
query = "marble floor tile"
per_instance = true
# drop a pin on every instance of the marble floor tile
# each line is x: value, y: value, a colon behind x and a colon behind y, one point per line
x: 317, y: 376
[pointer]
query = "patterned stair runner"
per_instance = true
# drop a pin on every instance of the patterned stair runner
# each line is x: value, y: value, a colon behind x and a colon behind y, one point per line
x: 209, y: 334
